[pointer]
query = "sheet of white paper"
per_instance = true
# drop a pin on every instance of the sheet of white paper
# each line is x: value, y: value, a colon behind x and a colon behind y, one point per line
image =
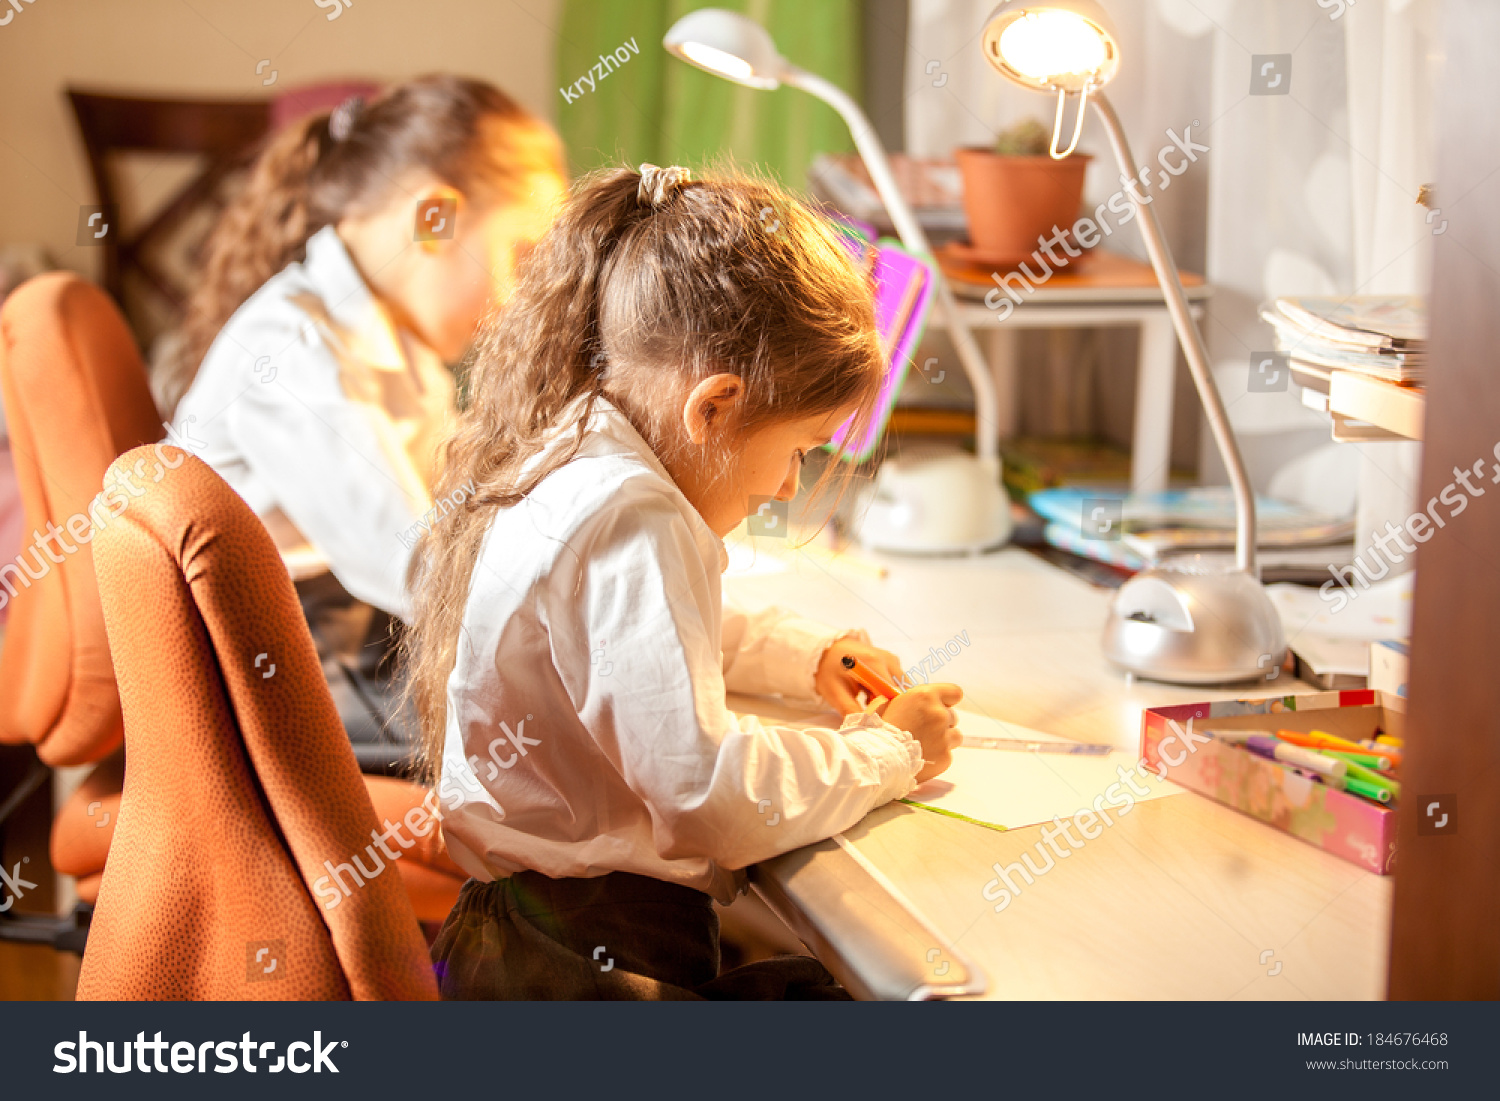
x: 1015, y: 789
x: 1383, y: 611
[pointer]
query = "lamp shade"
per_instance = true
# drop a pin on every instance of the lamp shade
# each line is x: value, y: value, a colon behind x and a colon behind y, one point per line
x: 729, y: 45
x: 1052, y: 45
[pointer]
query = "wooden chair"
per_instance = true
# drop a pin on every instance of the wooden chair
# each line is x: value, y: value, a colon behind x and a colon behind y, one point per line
x: 224, y: 133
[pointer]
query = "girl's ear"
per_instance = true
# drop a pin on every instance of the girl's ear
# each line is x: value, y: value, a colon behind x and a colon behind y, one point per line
x: 711, y: 405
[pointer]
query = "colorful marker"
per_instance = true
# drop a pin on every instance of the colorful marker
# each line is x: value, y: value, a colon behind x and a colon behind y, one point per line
x: 1379, y: 761
x: 1355, y: 786
x: 1319, y: 739
x: 1264, y: 745
x: 1230, y: 737
x: 1369, y: 776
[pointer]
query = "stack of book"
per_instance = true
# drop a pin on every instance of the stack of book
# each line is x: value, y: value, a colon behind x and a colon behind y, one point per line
x: 1380, y: 336
x: 932, y: 188
x: 1295, y: 543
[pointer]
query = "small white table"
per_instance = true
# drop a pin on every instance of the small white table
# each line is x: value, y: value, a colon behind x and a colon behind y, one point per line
x: 1107, y: 289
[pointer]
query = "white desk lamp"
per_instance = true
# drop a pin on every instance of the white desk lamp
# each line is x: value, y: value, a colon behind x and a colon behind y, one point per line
x: 952, y: 504
x: 1183, y: 626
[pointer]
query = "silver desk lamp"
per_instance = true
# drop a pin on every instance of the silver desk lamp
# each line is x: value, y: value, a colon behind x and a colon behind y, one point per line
x: 1186, y: 626
x: 975, y: 513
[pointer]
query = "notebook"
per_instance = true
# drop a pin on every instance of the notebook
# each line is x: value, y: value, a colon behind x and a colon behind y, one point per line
x: 1009, y: 790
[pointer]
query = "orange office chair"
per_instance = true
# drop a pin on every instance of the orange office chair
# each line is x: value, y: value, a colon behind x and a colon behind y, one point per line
x: 75, y: 398
x: 244, y: 815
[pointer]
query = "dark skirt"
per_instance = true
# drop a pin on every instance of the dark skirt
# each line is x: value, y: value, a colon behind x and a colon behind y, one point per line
x: 616, y: 937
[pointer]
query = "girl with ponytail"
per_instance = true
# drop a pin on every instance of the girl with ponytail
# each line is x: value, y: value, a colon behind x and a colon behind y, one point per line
x: 668, y: 358
x: 356, y: 264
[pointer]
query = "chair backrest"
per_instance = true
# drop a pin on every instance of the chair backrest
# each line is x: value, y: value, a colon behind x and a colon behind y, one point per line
x: 75, y: 398
x: 243, y: 809
x: 222, y: 133
x: 155, y: 256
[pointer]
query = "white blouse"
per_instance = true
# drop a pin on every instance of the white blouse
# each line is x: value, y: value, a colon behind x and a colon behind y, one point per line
x: 326, y: 418
x: 587, y: 726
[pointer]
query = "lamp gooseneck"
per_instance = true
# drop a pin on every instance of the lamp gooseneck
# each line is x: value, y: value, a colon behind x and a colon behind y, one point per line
x: 986, y: 401
x: 1192, y: 347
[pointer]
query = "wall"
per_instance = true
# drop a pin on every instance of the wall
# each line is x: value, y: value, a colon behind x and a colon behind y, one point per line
x: 211, y: 48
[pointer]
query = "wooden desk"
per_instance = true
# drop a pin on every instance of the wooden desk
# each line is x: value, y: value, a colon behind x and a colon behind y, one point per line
x: 1101, y: 288
x: 1179, y: 899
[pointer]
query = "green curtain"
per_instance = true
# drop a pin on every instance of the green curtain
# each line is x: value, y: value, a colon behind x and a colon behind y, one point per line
x: 655, y: 108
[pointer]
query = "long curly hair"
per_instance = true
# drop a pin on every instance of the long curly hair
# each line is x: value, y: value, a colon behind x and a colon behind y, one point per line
x: 635, y: 301
x: 469, y: 134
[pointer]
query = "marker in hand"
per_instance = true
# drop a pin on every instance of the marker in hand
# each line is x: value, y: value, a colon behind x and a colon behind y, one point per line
x: 871, y: 681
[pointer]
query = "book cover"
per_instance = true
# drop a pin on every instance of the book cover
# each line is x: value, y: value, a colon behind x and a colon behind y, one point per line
x: 1360, y: 321
x: 903, y: 294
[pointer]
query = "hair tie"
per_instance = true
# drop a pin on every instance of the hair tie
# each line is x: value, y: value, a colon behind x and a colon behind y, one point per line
x: 345, y: 115
x: 657, y: 183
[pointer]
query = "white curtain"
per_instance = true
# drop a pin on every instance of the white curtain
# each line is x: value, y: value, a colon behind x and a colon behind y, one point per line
x: 1393, y: 60
x: 1304, y: 193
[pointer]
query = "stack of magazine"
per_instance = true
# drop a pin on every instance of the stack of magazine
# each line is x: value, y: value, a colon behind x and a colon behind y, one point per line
x: 1382, y: 336
x: 1295, y: 543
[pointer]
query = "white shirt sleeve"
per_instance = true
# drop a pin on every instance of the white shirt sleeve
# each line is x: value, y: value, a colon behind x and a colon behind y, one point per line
x: 730, y: 788
x: 775, y: 652
x: 328, y: 469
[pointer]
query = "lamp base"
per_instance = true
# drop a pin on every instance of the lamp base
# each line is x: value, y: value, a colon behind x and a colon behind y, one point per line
x: 943, y: 503
x: 1186, y: 626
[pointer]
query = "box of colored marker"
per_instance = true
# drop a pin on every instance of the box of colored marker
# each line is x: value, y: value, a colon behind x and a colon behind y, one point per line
x: 1283, y: 796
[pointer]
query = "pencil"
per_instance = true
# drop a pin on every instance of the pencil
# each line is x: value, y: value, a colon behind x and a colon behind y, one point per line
x: 1020, y: 745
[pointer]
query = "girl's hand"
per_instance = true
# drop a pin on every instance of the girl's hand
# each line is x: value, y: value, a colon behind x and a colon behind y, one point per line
x: 837, y: 684
x: 926, y: 713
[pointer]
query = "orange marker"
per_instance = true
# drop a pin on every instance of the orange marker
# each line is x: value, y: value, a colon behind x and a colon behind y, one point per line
x: 1319, y: 739
x: 871, y: 681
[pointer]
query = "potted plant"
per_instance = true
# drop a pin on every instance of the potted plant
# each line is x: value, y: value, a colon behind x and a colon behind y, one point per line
x: 1015, y: 192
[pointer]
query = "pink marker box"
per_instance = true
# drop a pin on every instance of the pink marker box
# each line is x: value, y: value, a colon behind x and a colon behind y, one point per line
x: 1355, y: 829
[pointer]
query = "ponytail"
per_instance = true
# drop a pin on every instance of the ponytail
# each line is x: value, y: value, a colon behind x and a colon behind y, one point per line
x: 262, y: 231
x: 466, y: 132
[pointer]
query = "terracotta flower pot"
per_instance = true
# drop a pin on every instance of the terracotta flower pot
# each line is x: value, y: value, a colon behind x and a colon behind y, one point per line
x: 1011, y: 201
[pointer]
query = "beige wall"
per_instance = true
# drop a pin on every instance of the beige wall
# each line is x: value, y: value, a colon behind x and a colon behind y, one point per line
x: 211, y: 47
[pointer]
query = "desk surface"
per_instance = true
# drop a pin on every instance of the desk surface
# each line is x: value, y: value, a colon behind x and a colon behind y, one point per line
x: 1182, y: 898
